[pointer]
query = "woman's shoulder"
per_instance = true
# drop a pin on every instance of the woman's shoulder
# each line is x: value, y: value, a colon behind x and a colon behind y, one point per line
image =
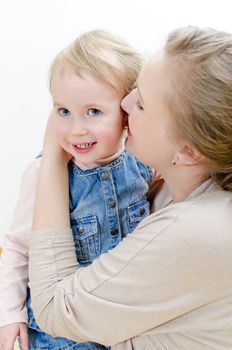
x: 211, y: 203
x: 208, y: 208
x: 207, y: 193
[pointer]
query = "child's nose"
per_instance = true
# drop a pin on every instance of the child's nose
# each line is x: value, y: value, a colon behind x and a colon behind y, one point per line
x: 78, y: 128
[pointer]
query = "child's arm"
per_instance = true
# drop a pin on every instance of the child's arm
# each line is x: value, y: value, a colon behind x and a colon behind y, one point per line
x: 14, y: 258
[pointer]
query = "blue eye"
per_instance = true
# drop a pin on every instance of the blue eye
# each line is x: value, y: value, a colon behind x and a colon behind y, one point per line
x: 94, y: 112
x: 64, y: 112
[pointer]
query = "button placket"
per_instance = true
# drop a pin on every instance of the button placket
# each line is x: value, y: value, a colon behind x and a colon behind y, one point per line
x: 105, y: 175
x: 111, y: 206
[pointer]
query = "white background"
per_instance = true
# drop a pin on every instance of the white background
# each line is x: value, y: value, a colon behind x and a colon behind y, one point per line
x: 32, y: 32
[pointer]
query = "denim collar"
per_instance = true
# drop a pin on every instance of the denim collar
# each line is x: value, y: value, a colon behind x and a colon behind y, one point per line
x: 103, y: 167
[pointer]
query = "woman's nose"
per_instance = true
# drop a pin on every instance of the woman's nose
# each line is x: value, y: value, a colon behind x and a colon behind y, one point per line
x: 128, y: 102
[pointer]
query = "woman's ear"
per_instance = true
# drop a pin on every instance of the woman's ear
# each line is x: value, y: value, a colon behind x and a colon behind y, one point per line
x: 188, y: 155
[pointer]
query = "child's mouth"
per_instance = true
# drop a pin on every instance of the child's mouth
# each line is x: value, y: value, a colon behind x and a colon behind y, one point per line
x: 83, y: 147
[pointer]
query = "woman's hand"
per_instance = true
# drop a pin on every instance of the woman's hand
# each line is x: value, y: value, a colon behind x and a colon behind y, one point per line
x: 9, y: 333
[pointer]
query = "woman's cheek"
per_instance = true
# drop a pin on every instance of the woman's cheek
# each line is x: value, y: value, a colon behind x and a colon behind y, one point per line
x: 135, y: 124
x: 130, y: 124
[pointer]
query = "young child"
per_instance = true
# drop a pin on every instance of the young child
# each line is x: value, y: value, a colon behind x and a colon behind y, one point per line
x: 108, y: 186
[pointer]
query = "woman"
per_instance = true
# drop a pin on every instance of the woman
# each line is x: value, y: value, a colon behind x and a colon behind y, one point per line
x: 168, y: 285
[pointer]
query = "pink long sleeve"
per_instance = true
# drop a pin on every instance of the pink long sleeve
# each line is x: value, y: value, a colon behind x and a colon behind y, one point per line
x: 14, y: 260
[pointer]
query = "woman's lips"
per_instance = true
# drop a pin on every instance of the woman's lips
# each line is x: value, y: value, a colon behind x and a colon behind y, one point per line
x: 84, y: 147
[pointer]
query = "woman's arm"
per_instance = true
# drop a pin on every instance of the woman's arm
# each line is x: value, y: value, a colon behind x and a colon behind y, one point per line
x: 156, y: 275
x: 52, y: 193
x: 163, y: 271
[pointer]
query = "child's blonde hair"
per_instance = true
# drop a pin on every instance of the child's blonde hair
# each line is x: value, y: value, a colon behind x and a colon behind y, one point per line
x: 200, y: 62
x: 104, y: 55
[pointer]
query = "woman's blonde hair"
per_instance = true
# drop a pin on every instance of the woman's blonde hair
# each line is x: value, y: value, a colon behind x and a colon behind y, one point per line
x: 200, y: 62
x: 104, y: 55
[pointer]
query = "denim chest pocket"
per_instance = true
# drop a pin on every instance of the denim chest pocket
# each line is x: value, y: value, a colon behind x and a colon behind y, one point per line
x: 136, y: 212
x: 86, y: 236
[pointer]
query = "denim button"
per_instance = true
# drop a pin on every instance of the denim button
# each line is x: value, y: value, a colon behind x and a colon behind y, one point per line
x: 114, y: 231
x: 142, y: 211
x: 105, y: 175
x: 112, y: 204
x: 80, y: 229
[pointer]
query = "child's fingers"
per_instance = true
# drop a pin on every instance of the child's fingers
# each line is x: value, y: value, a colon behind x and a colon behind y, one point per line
x: 24, y: 336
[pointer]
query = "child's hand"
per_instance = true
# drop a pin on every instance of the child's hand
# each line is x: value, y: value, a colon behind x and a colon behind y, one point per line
x: 9, y: 333
x: 51, y: 148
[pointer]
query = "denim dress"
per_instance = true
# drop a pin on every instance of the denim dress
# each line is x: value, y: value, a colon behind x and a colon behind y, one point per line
x: 106, y: 203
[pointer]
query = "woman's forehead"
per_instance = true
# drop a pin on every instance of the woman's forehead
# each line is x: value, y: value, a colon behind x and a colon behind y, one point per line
x: 153, y: 72
x: 154, y: 65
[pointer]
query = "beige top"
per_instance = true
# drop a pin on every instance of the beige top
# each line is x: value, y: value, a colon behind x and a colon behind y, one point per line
x: 167, y: 286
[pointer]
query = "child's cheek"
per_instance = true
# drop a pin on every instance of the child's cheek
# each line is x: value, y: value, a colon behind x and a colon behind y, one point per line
x: 60, y: 135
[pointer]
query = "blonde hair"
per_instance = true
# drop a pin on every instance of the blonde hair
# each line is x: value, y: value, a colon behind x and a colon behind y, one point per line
x: 201, y: 97
x: 104, y: 55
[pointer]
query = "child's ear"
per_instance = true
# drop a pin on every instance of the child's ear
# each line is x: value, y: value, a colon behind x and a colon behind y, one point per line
x: 188, y: 155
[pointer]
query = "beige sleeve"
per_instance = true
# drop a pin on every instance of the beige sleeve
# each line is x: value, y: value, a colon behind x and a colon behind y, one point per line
x: 14, y: 259
x: 155, y: 275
